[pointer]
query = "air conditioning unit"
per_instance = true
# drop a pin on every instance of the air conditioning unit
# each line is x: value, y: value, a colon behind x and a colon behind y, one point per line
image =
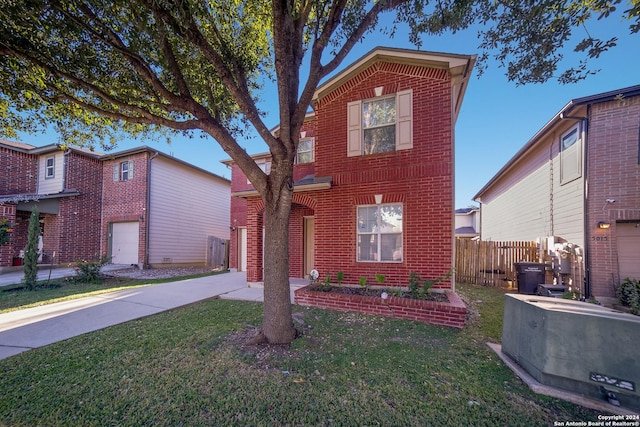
x: 575, y: 346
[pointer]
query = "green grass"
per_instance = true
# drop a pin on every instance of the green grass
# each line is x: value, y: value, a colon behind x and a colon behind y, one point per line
x: 184, y: 367
x: 15, y: 297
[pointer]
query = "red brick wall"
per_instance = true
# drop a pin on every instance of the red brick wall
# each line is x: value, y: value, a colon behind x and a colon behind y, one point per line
x: 420, y: 178
x: 238, y: 219
x: 78, y: 223
x: 125, y: 200
x: 18, y: 172
x: 51, y: 238
x: 438, y: 313
x: 613, y: 173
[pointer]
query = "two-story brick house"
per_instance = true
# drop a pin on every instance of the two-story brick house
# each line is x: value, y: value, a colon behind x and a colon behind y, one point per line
x: 65, y: 185
x: 374, y: 181
x: 575, y: 188
x: 138, y: 206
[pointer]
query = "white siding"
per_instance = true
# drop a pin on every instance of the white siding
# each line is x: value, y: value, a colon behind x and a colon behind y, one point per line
x: 55, y: 184
x: 186, y: 206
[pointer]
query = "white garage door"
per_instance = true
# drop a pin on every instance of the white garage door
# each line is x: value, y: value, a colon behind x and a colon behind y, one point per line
x: 628, y: 250
x: 124, y: 243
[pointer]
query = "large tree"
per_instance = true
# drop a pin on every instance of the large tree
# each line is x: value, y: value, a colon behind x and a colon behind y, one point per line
x: 97, y: 69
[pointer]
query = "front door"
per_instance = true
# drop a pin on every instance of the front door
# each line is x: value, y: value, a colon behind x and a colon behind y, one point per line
x: 242, y: 249
x: 628, y: 235
x: 309, y: 235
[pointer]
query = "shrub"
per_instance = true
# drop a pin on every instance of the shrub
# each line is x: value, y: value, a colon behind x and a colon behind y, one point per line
x: 31, y: 251
x: 629, y: 294
x: 88, y: 271
x: 5, y: 230
x: 419, y: 288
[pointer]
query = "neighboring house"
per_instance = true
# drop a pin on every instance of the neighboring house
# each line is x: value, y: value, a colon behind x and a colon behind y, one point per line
x: 575, y: 188
x: 468, y: 223
x: 65, y: 186
x: 138, y: 206
x: 373, y: 187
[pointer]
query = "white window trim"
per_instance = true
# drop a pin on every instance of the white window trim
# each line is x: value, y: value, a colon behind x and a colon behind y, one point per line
x: 577, y: 148
x: 404, y: 123
x: 51, y: 168
x: 264, y: 165
x: 118, y: 171
x: 379, y: 234
x: 313, y: 151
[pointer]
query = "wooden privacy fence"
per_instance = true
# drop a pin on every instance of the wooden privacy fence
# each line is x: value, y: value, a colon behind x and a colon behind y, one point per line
x: 217, y: 253
x: 491, y: 263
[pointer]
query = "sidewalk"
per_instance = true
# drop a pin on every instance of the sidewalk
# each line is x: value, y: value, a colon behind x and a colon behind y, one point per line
x: 35, y: 327
x: 44, y: 273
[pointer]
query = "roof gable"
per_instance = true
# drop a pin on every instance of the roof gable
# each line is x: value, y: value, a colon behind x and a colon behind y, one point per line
x: 459, y: 67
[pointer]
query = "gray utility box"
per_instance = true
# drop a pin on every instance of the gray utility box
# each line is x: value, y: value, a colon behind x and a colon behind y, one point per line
x: 576, y: 346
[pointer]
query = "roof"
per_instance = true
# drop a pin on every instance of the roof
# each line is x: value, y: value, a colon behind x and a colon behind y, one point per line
x: 32, y: 197
x: 308, y: 183
x: 466, y: 231
x: 50, y: 148
x: 154, y: 152
x: 466, y: 211
x: 19, y: 146
x: 561, y: 115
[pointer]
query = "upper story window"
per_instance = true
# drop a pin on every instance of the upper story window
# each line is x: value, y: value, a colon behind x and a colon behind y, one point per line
x: 264, y: 165
x: 570, y: 155
x: 305, y: 151
x: 123, y: 171
x: 379, y: 233
x: 50, y: 167
x: 380, y: 124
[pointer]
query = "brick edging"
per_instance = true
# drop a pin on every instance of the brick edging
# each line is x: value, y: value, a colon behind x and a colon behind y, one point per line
x: 450, y: 313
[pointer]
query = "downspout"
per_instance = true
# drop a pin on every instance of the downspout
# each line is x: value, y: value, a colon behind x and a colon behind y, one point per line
x: 585, y: 191
x: 147, y: 210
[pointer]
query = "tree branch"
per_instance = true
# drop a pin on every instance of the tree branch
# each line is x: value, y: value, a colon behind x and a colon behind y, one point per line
x: 240, y: 92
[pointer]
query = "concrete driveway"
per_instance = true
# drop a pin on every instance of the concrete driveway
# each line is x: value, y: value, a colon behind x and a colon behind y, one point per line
x: 35, y: 327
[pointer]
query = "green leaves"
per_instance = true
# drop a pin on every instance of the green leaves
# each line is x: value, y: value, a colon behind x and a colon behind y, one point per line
x: 146, y: 64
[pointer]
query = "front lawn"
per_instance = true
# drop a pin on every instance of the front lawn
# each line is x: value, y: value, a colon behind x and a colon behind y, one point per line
x: 15, y: 297
x: 191, y: 366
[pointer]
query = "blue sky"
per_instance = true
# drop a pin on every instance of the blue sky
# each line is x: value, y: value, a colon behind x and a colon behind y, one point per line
x: 497, y: 117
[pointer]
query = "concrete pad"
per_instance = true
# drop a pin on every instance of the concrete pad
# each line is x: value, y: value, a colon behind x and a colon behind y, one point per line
x: 244, y: 294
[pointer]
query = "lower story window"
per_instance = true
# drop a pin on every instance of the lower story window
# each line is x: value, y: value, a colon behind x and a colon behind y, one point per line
x: 379, y: 233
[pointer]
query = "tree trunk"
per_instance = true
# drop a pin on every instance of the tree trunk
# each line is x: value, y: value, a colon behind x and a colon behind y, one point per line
x: 277, y: 323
